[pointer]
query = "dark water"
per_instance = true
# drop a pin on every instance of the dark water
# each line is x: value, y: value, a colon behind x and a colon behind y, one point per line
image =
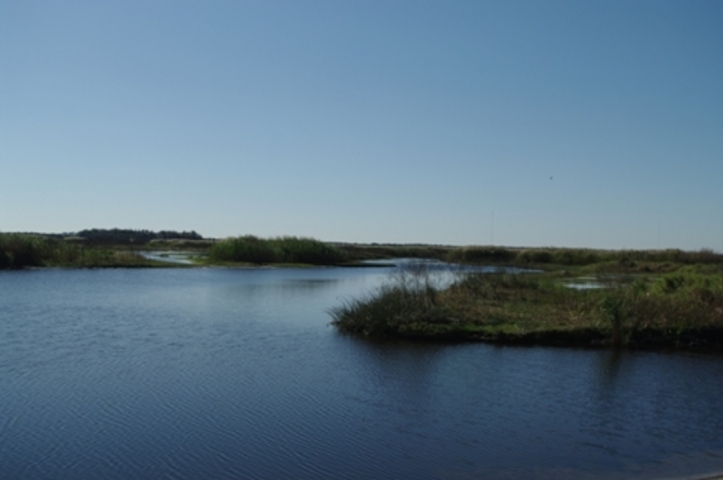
x: 212, y: 373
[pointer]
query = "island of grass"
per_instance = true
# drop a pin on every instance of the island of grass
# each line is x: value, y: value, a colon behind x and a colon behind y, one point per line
x: 640, y: 299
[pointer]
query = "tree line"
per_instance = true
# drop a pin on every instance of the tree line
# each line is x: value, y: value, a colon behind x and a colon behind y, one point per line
x: 133, y: 237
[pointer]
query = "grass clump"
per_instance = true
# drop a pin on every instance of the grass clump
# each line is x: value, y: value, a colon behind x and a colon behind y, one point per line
x: 407, y: 307
x: 248, y: 249
x: 308, y: 250
x: 251, y: 249
x: 392, y: 311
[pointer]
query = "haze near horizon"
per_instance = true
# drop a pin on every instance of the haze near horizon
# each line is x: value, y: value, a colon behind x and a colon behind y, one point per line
x: 558, y: 123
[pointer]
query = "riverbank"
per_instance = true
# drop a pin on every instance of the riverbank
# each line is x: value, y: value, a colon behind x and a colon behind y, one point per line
x: 679, y: 309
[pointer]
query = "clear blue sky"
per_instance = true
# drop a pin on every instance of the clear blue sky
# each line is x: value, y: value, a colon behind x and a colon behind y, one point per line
x: 565, y: 123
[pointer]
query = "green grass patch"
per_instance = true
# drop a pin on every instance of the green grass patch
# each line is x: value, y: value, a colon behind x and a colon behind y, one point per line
x: 287, y: 250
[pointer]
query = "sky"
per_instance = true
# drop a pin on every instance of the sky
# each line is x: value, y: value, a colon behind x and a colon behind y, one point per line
x: 593, y: 124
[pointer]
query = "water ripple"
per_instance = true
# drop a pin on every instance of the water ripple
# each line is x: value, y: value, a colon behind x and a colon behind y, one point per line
x: 235, y: 374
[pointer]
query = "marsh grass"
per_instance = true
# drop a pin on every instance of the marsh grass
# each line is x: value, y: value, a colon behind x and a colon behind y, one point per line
x: 406, y: 306
x: 595, y: 260
x: 288, y: 250
x: 21, y: 251
x: 386, y: 251
x: 682, y: 308
x: 482, y: 255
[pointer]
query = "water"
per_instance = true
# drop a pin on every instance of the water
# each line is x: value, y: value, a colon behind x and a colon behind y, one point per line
x: 233, y: 373
x: 170, y: 256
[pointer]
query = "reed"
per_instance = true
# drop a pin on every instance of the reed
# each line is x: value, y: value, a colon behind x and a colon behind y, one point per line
x: 308, y: 251
x: 21, y: 251
x: 248, y: 248
x: 289, y: 250
x: 406, y: 307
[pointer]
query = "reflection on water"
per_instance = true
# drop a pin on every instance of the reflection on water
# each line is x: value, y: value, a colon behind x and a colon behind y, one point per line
x: 224, y: 373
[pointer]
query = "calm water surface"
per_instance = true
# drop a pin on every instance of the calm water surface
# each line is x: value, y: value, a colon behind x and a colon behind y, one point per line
x: 223, y: 373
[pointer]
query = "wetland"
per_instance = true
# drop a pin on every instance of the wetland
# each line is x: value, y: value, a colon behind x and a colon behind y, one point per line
x: 515, y: 363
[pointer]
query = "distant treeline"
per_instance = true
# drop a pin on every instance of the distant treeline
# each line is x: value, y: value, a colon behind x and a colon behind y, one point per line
x: 118, y: 236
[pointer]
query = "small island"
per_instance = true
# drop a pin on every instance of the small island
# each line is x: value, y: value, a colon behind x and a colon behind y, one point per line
x: 658, y: 299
